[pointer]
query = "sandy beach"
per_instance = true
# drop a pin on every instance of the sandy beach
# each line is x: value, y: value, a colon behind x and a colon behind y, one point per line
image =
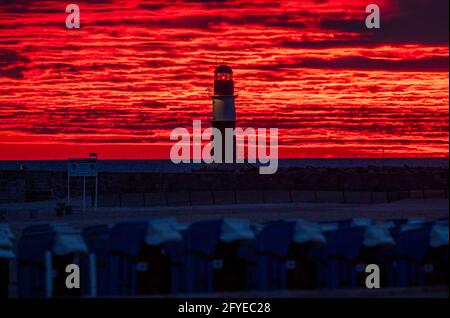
x: 18, y: 214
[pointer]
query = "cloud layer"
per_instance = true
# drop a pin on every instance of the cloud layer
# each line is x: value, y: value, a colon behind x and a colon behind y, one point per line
x: 137, y: 69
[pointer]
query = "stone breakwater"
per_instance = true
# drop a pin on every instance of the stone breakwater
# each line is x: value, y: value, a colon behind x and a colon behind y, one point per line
x: 28, y: 186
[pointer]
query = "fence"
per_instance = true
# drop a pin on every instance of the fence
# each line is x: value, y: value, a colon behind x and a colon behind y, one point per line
x: 188, y: 198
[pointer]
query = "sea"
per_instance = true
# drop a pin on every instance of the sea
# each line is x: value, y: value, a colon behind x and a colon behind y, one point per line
x: 167, y: 166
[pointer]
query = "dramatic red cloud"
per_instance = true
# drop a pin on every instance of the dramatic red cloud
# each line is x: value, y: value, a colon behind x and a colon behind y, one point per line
x: 137, y: 69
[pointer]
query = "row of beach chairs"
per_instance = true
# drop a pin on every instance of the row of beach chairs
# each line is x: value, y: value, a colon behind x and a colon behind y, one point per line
x: 161, y: 256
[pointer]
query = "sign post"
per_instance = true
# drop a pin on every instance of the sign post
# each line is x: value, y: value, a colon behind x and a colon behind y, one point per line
x: 84, y: 193
x: 96, y: 192
x: 83, y: 167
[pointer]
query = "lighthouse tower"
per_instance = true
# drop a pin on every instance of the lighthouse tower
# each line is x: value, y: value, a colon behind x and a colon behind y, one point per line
x: 224, y: 112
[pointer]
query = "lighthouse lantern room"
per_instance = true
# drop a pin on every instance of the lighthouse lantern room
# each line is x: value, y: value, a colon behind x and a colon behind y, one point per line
x: 223, y: 98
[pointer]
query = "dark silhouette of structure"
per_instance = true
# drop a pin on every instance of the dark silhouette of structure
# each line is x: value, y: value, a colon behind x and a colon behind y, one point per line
x: 224, y: 112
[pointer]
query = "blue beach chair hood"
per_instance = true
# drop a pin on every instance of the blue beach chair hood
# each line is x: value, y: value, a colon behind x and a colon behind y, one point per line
x: 204, y: 236
x: 129, y: 237
x: 60, y: 239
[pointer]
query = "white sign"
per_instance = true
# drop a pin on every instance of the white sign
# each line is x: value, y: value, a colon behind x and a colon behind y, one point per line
x: 82, y: 167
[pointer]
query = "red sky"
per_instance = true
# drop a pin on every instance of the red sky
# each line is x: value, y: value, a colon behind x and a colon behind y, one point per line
x: 137, y: 69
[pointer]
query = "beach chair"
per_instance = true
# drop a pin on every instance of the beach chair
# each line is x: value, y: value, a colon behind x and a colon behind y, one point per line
x: 412, y: 246
x: 96, y: 262
x: 436, y: 264
x: 338, y: 258
x: 44, y: 251
x: 378, y: 248
x: 219, y: 256
x: 284, y: 260
x: 144, y: 257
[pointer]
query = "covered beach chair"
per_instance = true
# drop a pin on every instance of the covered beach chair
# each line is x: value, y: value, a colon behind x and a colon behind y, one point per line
x: 377, y: 248
x: 220, y: 255
x: 284, y: 259
x: 338, y: 258
x: 436, y: 264
x: 144, y: 258
x: 412, y: 247
x: 96, y: 263
x: 44, y: 252
x: 421, y: 255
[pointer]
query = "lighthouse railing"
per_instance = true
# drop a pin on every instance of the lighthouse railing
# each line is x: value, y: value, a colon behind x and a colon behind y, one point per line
x: 210, y: 91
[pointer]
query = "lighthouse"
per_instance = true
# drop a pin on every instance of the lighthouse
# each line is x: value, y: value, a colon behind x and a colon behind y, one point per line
x: 223, y: 109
